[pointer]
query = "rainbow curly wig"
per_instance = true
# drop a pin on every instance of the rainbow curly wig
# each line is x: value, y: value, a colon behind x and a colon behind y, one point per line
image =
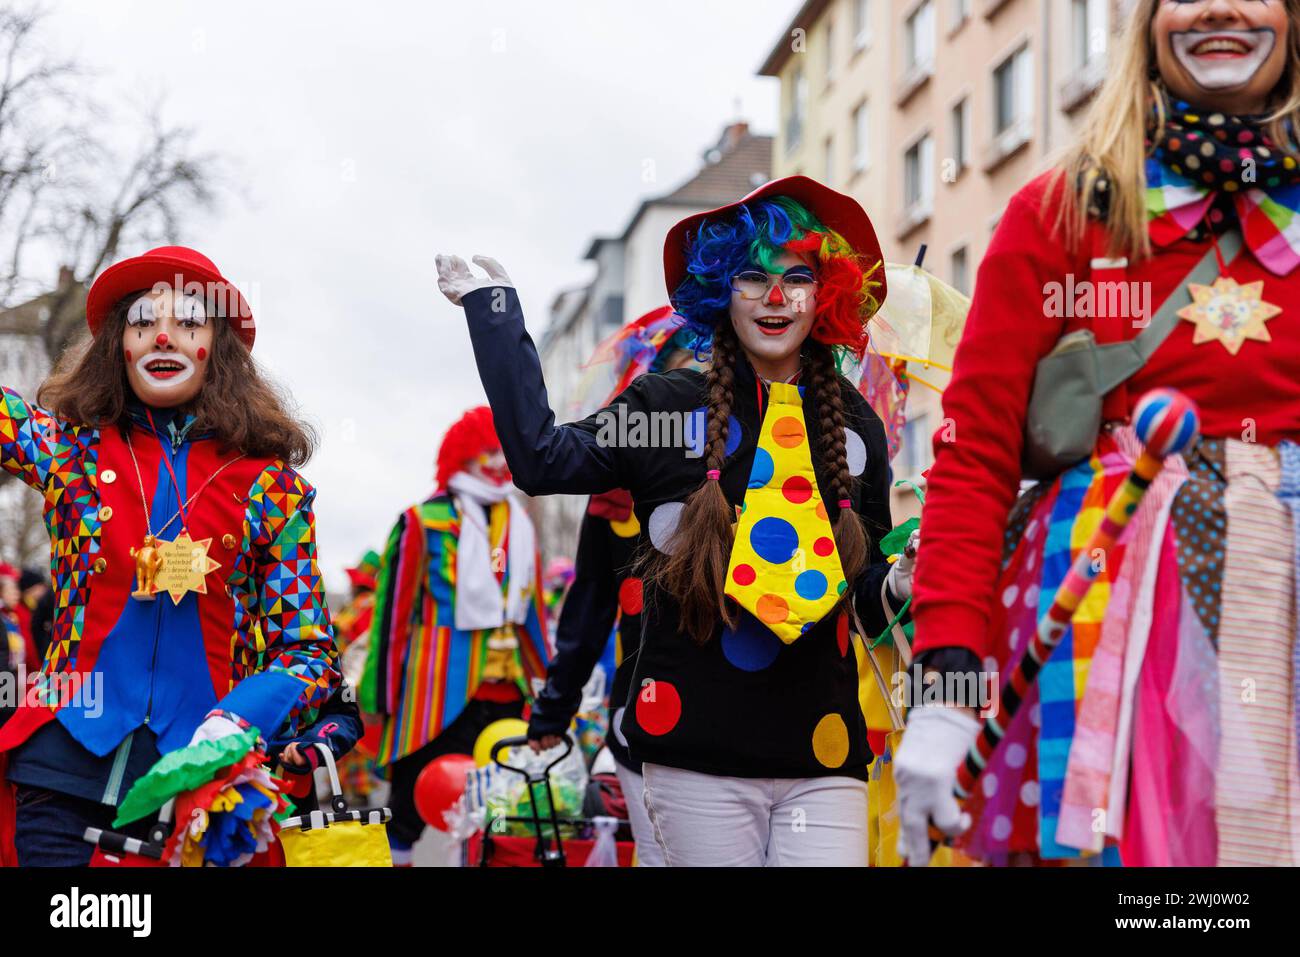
x: 755, y: 236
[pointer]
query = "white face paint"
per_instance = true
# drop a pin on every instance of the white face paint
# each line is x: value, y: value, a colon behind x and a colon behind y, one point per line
x: 165, y: 370
x: 1222, y: 59
x: 166, y: 343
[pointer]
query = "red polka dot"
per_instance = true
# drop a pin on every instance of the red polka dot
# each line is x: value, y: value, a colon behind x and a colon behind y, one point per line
x: 658, y: 707
x: 842, y: 633
x: 743, y: 575
x: 772, y: 609
x: 630, y: 597
x: 824, y: 546
x: 797, y: 489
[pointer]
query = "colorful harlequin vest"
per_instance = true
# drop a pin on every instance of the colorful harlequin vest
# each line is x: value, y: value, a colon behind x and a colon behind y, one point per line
x: 157, y: 663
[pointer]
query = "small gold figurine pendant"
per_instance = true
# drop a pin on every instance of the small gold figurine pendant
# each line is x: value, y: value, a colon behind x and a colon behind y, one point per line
x: 149, y: 562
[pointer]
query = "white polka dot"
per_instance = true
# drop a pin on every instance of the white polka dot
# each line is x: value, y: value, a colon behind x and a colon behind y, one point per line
x: 855, y: 450
x: 1032, y: 560
x: 1001, y: 827
x: 990, y: 785
x: 1029, y: 793
x: 662, y: 525
x: 1016, y: 755
x: 1031, y: 596
x: 617, y: 724
x: 1036, y: 716
x: 1031, y: 532
x: 1009, y: 596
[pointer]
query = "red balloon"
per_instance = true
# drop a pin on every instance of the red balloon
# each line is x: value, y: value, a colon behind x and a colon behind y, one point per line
x: 439, y: 785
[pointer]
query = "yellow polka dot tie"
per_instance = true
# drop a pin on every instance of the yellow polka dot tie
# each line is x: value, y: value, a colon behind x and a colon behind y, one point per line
x: 785, y: 569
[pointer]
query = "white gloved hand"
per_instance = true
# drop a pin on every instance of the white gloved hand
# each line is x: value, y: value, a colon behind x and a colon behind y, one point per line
x: 214, y: 727
x: 925, y: 770
x: 455, y: 278
x: 900, y: 573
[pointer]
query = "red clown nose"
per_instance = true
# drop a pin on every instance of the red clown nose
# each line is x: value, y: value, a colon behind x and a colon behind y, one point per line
x: 162, y: 339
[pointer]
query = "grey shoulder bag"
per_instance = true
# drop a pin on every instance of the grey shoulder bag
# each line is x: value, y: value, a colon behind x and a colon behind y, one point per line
x: 1071, y: 382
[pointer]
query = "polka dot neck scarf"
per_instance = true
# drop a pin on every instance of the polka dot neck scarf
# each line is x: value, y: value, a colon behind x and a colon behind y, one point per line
x: 785, y: 569
x: 1223, y: 170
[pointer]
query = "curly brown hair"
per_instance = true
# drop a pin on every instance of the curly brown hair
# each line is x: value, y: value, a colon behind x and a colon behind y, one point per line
x: 237, y: 404
x: 695, y: 572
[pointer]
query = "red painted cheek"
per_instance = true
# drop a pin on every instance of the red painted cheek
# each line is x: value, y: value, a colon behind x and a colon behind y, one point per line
x: 128, y: 355
x: 203, y: 353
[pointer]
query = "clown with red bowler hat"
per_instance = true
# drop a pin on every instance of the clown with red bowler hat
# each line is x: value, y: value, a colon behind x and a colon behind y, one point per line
x: 189, y: 603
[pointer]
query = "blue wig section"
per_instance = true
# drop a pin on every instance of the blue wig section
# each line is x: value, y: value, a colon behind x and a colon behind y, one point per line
x: 718, y: 252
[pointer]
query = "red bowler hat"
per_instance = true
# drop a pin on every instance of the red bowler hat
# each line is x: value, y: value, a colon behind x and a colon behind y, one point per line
x: 164, y: 265
x: 835, y: 210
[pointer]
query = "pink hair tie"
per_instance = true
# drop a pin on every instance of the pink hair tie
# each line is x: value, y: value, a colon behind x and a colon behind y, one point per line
x: 846, y: 503
x: 713, y: 474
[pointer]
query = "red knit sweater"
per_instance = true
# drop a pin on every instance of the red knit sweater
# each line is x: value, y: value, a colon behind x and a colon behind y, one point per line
x: 976, y: 474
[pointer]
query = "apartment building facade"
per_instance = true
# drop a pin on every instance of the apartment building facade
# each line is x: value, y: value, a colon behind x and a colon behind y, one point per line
x: 932, y: 113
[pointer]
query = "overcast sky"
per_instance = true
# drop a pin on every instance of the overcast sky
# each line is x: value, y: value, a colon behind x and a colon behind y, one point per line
x: 368, y: 137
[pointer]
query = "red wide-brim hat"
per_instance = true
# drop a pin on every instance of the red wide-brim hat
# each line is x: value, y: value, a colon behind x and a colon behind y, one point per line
x: 164, y: 265
x: 839, y: 212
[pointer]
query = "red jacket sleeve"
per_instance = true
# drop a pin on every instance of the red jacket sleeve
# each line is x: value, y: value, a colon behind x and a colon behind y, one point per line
x: 976, y: 474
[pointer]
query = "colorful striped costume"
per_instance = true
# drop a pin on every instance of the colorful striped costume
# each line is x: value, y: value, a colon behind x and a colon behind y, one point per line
x: 421, y: 670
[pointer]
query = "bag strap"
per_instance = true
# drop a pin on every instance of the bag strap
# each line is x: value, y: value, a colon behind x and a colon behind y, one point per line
x: 895, y: 720
x: 1119, y: 361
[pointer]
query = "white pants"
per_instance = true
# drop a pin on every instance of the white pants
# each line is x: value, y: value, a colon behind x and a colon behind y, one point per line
x: 706, y: 820
x: 648, y: 853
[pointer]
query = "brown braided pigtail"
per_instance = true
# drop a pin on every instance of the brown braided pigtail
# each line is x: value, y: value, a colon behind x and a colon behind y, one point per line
x: 850, y: 536
x: 696, y: 571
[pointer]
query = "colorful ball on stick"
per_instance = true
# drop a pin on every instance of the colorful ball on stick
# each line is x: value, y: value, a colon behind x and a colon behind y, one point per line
x: 439, y: 785
x: 1166, y: 421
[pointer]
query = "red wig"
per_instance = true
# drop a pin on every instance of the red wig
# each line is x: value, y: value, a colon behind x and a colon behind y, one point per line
x: 470, y: 436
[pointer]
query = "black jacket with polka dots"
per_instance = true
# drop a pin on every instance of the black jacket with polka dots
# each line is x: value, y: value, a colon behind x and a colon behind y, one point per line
x: 742, y: 704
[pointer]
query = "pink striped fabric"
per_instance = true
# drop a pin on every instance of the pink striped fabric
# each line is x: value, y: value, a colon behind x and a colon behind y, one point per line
x: 1256, y: 789
x: 1084, y: 812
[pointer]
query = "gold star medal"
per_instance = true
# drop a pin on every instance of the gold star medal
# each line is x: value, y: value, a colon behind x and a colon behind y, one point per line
x: 1229, y: 312
x: 185, y: 567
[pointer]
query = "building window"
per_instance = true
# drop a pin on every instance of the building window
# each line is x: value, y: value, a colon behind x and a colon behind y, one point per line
x: 1090, y: 29
x: 920, y: 37
x: 828, y: 161
x: 861, y: 137
x: 959, y: 270
x: 830, y: 51
x: 960, y: 122
x: 914, y: 445
x: 1012, y: 91
x: 861, y: 24
x: 918, y: 176
x: 798, y: 108
x: 959, y: 13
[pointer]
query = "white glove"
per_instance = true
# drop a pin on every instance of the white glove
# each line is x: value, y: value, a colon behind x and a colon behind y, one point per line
x: 455, y: 278
x: 925, y: 770
x: 214, y: 727
x: 900, y: 573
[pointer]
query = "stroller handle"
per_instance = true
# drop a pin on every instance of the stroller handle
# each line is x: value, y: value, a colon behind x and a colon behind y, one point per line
x: 519, y: 741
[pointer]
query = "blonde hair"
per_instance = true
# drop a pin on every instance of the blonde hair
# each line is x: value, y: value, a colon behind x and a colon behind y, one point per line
x: 1110, y: 153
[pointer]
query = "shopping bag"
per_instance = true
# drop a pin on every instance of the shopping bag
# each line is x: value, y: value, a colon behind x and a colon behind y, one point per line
x: 339, y: 837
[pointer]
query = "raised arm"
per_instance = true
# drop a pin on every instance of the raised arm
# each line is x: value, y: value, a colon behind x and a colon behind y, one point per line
x: 27, y: 451
x: 544, y: 458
